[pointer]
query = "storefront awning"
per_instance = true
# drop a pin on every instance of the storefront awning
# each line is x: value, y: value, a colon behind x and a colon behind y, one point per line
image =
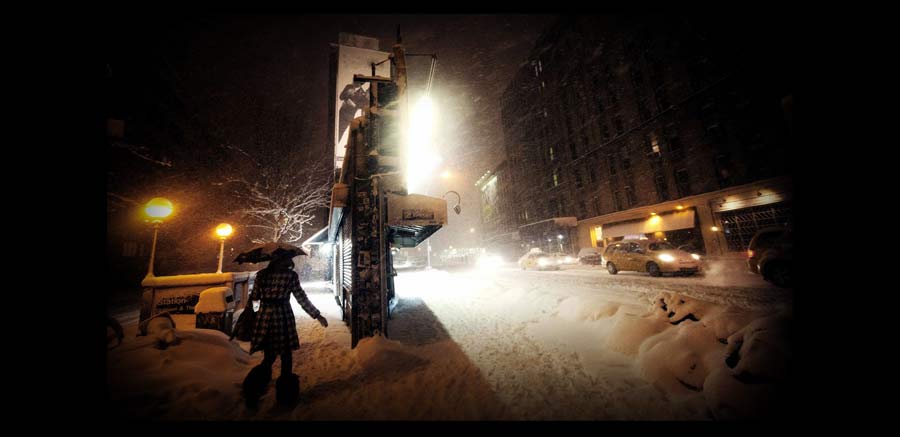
x: 657, y: 223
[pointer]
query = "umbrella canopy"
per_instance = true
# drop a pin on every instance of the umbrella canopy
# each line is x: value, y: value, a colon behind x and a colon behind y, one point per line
x: 268, y: 252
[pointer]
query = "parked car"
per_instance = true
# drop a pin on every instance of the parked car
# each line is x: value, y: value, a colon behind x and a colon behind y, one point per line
x: 539, y: 261
x: 652, y: 256
x: 770, y: 254
x: 589, y: 255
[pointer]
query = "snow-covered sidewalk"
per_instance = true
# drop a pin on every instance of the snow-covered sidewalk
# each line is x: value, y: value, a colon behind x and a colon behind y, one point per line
x: 491, y: 344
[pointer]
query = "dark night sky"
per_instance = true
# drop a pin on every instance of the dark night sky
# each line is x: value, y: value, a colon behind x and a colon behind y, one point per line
x: 235, y: 77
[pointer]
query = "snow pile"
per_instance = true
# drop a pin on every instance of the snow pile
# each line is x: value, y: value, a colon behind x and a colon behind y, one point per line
x: 581, y: 308
x: 628, y: 332
x: 198, y: 379
x: 733, y: 359
x: 679, y: 359
x: 182, y: 280
x: 740, y: 361
x: 214, y: 300
x: 380, y: 355
x: 161, y: 329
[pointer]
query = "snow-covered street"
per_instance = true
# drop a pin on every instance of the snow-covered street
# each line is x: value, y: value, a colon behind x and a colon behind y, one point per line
x: 482, y: 344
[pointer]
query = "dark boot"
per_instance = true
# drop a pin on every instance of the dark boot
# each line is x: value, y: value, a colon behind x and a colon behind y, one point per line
x: 256, y: 383
x: 287, y: 389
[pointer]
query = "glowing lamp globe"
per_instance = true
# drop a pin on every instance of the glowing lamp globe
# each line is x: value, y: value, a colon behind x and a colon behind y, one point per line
x: 158, y: 208
x: 224, y: 230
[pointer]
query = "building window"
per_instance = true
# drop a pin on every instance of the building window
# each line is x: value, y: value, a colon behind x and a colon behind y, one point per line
x: 617, y: 202
x: 675, y: 148
x: 596, y: 205
x: 629, y: 197
x: 129, y: 249
x: 592, y: 173
x: 653, y: 144
x: 626, y: 162
x: 573, y: 149
x: 662, y: 102
x: 582, y: 209
x: 604, y: 132
x: 555, y: 178
x: 552, y: 157
x: 643, y: 112
x: 617, y: 121
x: 636, y: 77
x: 662, y: 187
x: 613, y: 92
x: 578, y: 182
x: 682, y: 182
x: 722, y: 170
x: 612, y: 165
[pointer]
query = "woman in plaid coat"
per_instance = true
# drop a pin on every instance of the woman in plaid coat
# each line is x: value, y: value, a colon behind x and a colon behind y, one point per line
x: 275, y: 331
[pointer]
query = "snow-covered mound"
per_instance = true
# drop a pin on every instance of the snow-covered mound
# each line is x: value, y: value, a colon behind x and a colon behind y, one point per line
x: 578, y: 308
x: 213, y: 300
x: 378, y: 355
x: 735, y: 358
x: 199, y: 378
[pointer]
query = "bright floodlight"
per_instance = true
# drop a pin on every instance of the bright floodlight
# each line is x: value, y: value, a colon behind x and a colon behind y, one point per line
x: 421, y: 158
x: 223, y: 230
x: 158, y: 208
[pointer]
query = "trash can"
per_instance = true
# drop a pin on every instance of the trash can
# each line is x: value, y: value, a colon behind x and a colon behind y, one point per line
x: 215, y: 309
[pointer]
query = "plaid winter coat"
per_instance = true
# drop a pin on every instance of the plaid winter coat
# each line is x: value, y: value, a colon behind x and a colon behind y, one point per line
x: 275, y: 327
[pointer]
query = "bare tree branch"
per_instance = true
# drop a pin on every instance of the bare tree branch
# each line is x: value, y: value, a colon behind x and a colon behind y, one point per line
x: 280, y: 200
x: 137, y: 151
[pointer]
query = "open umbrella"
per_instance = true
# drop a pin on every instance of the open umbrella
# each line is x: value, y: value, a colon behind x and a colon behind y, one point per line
x: 269, y: 251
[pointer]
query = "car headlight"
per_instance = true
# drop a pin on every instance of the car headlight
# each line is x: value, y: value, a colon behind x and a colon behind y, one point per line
x: 695, y: 256
x: 543, y: 262
x: 569, y: 259
x: 665, y: 257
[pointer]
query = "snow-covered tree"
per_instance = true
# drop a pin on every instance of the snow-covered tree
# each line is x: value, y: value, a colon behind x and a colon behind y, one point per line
x: 280, y: 198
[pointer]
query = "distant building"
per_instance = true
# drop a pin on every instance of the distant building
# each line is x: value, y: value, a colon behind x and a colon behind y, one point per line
x: 648, y: 127
x: 498, y: 226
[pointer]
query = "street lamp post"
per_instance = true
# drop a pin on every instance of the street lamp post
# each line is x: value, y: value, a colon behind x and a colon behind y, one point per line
x: 223, y: 231
x: 156, y: 210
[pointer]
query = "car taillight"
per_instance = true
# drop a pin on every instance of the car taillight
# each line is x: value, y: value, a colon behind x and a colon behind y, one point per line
x: 749, y: 254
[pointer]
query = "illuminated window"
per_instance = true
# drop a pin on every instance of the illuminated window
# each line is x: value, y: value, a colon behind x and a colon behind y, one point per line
x: 555, y: 178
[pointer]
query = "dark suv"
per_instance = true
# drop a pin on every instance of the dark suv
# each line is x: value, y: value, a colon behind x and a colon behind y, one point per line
x: 771, y: 254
